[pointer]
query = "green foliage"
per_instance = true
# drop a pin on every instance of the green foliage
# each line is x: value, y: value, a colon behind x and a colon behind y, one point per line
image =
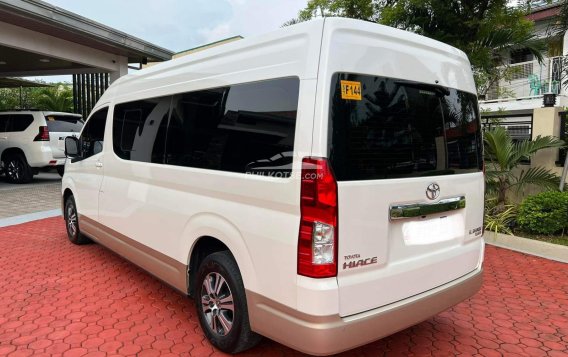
x: 545, y: 213
x: 500, y: 220
x: 356, y: 9
x: 56, y: 98
x: 502, y: 156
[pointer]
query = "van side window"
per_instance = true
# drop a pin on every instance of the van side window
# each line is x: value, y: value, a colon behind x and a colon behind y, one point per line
x: 245, y: 128
x: 139, y: 129
x: 93, y: 134
x: 19, y: 122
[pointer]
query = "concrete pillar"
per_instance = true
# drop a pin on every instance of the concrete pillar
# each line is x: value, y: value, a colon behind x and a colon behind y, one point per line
x: 122, y: 69
x: 546, y: 121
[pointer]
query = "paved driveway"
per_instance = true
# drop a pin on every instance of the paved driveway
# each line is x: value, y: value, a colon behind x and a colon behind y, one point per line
x: 56, y: 298
x: 42, y: 194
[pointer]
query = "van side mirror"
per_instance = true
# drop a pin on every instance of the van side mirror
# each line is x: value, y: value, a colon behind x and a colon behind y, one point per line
x: 72, y: 147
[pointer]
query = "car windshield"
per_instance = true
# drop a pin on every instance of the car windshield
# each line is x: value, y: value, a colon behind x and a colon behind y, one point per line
x: 385, y: 128
x: 64, y: 123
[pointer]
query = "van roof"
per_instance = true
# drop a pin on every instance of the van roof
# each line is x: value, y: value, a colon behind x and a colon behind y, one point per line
x: 213, y: 62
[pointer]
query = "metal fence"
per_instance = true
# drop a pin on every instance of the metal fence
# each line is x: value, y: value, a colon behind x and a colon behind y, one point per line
x: 519, y: 127
x: 530, y: 79
x: 563, y: 136
x: 87, y: 89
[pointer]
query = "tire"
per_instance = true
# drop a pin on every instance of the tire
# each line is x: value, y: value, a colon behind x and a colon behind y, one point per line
x: 61, y: 170
x: 72, y: 223
x: 17, y: 169
x: 227, y: 330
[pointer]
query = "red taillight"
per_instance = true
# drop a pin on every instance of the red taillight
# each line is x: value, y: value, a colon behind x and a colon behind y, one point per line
x: 43, y: 134
x: 317, y: 242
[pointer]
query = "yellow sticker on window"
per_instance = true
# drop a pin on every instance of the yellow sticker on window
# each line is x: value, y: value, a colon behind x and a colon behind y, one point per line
x: 351, y: 90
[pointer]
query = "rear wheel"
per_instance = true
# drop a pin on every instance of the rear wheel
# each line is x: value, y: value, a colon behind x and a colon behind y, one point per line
x: 221, y: 304
x: 72, y: 223
x: 17, y: 169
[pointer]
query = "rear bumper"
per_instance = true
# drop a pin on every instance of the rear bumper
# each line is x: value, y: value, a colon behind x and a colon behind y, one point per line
x: 42, y: 156
x: 325, y: 335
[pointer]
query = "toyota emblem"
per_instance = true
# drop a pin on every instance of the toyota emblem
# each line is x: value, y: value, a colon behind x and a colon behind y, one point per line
x: 433, y: 191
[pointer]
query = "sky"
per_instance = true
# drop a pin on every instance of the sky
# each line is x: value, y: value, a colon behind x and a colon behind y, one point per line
x: 181, y: 24
x: 178, y: 25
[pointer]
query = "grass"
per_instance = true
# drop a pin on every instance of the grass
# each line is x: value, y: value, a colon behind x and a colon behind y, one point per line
x: 554, y: 239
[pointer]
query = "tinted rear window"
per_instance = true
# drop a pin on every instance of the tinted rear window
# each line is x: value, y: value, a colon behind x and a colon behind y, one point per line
x: 385, y: 128
x: 64, y: 124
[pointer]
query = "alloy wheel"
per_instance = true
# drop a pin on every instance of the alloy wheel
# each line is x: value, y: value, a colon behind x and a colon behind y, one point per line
x: 217, y: 304
x: 71, y: 220
x: 14, y: 170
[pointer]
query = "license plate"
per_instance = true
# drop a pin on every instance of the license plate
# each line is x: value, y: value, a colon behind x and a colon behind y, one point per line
x: 434, y: 230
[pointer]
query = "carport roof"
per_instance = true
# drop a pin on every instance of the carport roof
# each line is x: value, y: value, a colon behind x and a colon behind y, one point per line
x: 18, y: 83
x: 54, y: 21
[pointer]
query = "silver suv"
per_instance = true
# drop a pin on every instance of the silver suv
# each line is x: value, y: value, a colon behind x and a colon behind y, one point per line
x: 33, y: 139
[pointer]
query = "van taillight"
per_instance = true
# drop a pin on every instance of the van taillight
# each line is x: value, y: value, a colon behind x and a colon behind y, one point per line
x: 317, y: 242
x: 43, y: 134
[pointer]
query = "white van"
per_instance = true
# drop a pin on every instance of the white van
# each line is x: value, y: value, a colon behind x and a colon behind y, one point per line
x: 321, y: 185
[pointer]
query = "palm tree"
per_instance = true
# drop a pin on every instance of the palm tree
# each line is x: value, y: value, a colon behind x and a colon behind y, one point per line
x: 503, y: 155
x: 58, y: 99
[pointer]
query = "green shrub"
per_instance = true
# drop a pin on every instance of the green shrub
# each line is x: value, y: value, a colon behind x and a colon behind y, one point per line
x: 500, y: 221
x: 545, y: 213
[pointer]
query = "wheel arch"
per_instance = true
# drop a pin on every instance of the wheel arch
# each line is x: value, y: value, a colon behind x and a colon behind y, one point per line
x: 212, y: 233
x: 66, y: 194
x: 12, y: 150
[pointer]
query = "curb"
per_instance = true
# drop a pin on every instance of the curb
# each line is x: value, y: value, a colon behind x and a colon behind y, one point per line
x: 12, y: 221
x: 546, y: 250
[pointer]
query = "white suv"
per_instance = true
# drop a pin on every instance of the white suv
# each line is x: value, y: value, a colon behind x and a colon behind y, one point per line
x: 31, y: 140
x: 321, y: 185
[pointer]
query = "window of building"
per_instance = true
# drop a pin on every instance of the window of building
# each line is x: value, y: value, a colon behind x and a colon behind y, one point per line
x: 522, y: 55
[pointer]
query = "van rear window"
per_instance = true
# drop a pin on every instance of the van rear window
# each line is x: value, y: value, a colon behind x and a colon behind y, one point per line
x: 384, y: 128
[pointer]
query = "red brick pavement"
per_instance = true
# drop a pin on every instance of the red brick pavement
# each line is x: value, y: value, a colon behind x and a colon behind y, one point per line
x: 61, y: 299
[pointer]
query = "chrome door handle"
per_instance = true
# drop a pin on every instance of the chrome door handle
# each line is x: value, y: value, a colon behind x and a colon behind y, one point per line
x: 412, y: 210
x: 99, y: 164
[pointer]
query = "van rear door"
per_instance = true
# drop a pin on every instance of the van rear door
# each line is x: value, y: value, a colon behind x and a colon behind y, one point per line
x: 408, y: 160
x: 61, y: 126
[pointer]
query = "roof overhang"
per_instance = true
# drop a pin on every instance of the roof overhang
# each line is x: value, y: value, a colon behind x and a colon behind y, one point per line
x: 19, y: 83
x: 544, y: 12
x: 53, y: 21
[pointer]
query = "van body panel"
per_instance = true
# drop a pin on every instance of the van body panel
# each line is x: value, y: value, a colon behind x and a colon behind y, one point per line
x: 394, y: 276
x: 267, y: 56
x: 220, y: 202
x: 374, y: 255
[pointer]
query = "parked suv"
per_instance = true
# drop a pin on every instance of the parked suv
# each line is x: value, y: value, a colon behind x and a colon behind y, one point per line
x: 32, y: 139
x: 321, y: 185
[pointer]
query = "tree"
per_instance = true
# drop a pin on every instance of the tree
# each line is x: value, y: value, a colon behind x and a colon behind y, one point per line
x: 483, y: 29
x: 56, y: 98
x: 503, y: 156
x: 355, y: 9
x: 59, y: 99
